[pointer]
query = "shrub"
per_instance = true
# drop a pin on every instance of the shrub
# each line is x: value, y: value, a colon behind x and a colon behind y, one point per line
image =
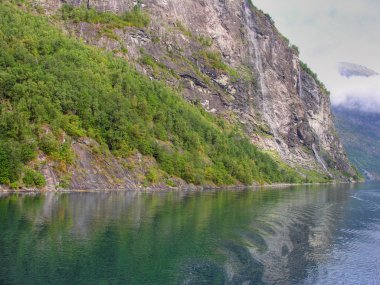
x: 49, y: 144
x: 10, y: 162
x: 65, y: 182
x: 134, y: 18
x: 153, y: 175
x: 48, y: 79
x: 213, y: 60
x: 33, y: 178
x: 307, y: 69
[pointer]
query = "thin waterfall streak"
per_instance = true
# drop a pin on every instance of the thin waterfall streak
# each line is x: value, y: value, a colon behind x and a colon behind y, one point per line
x: 300, y: 82
x: 256, y: 52
x: 320, y: 160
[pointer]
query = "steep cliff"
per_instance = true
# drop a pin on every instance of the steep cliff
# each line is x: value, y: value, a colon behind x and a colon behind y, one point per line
x: 226, y: 56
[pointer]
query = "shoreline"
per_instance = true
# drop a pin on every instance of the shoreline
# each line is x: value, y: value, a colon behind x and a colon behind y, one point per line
x: 172, y: 189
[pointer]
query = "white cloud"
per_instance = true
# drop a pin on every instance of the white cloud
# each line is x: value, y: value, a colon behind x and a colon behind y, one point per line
x: 328, y: 32
x: 360, y: 93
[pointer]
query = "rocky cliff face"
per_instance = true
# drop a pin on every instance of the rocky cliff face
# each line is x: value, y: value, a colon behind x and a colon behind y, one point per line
x: 229, y: 57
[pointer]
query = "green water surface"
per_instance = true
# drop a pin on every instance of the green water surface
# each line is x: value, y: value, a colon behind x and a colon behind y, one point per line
x: 214, y: 237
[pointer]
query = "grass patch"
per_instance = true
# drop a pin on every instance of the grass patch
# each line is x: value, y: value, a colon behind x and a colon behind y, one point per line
x: 134, y: 18
x: 213, y: 60
x: 201, y: 39
x: 159, y: 69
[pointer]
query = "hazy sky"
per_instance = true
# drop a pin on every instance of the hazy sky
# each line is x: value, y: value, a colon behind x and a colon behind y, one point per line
x: 328, y: 32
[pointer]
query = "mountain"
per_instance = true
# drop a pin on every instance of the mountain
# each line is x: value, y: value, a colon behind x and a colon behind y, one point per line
x: 122, y: 95
x: 348, y: 70
x: 360, y: 135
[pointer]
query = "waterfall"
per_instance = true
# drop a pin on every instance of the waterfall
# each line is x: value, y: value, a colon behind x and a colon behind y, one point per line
x: 255, y: 52
x: 300, y: 82
x: 321, y: 161
x: 256, y: 48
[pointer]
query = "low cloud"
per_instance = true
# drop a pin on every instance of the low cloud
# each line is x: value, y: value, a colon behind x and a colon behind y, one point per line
x: 360, y: 93
x: 328, y: 32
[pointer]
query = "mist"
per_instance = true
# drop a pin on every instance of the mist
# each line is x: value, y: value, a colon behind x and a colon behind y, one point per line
x: 359, y: 93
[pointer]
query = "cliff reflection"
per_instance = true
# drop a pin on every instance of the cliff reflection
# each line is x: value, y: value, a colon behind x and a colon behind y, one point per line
x: 181, y: 237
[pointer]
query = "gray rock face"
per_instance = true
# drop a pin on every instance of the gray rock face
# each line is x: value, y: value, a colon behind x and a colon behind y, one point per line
x: 281, y: 106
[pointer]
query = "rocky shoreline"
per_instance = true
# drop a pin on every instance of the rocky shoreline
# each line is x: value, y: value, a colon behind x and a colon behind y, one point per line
x: 5, y: 190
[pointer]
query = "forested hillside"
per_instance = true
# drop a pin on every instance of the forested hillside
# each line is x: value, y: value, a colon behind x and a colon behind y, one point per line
x: 55, y: 90
x: 359, y: 131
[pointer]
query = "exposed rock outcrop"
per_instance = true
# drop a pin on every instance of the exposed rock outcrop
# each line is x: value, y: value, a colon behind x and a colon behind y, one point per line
x: 229, y: 57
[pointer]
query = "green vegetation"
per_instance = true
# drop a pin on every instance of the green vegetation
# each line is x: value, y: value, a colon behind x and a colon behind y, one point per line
x: 180, y: 26
x: 315, y: 77
x: 213, y: 60
x: 267, y: 16
x: 134, y: 18
x: 159, y: 69
x: 313, y: 176
x: 295, y: 48
x: 204, y: 41
x: 360, y: 136
x: 33, y: 178
x: 10, y: 161
x: 51, y: 85
x: 201, y: 39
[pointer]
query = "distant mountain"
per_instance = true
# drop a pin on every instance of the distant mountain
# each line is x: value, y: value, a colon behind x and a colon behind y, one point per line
x: 360, y: 134
x: 348, y: 70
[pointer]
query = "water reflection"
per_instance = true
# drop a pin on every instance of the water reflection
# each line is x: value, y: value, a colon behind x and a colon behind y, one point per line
x: 224, y: 237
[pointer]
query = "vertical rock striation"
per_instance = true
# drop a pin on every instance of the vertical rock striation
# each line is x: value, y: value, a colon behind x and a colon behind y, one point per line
x: 229, y: 57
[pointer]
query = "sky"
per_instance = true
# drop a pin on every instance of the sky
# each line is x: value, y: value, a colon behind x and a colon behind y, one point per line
x: 328, y: 32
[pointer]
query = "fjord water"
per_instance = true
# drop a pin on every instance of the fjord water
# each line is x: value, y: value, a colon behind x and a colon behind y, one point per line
x: 299, y: 235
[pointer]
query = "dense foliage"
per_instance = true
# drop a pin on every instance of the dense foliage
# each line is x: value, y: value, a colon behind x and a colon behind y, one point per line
x: 134, y: 18
x: 51, y: 82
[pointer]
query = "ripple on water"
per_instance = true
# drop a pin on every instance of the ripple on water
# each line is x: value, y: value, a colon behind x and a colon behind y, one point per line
x: 355, y: 257
x: 319, y: 235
